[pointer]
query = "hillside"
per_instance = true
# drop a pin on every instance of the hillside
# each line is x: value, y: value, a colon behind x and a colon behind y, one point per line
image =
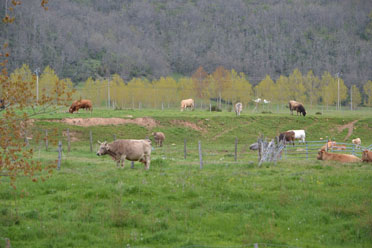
x: 83, y: 38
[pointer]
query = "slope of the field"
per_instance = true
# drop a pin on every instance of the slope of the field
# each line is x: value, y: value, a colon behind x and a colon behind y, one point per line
x: 91, y: 203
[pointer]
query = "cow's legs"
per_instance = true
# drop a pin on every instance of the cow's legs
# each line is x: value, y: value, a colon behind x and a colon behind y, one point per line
x: 147, y: 162
x: 122, y: 159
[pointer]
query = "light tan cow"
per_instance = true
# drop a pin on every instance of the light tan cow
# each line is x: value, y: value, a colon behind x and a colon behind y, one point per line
x: 187, y: 103
x: 159, y: 137
x: 367, y: 156
x: 344, y: 158
x: 130, y: 149
x: 357, y: 142
x: 332, y: 145
x: 238, y: 108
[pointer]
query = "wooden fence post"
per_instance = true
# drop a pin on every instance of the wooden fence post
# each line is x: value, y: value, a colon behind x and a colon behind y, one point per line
x: 46, y: 140
x: 91, y: 141
x: 200, y: 155
x: 59, y: 155
x: 68, y: 140
x: 236, y: 149
x: 210, y: 107
x: 114, y: 136
x: 132, y: 165
x: 255, y: 245
x: 184, y: 149
x: 26, y: 140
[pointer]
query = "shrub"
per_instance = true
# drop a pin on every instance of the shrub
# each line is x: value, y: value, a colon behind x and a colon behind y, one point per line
x: 318, y: 113
x: 216, y: 109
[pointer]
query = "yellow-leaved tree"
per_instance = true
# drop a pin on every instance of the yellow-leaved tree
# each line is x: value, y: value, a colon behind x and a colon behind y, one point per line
x: 265, y: 89
x: 355, y: 97
x: 240, y: 90
x: 312, y: 85
x: 367, y: 87
x: 330, y: 87
x: 297, y: 88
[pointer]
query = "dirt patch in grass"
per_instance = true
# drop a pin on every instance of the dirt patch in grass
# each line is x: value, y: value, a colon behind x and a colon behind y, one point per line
x: 87, y: 122
x: 350, y: 126
x: 189, y: 125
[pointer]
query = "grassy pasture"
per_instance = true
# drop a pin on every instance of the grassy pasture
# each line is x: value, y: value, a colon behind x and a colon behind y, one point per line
x: 91, y: 203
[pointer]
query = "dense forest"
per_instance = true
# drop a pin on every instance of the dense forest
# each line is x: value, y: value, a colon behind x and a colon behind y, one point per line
x: 91, y: 38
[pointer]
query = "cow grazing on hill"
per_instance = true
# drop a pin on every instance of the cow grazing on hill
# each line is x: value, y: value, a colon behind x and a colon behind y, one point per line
x: 299, y: 134
x: 287, y: 137
x: 159, y: 137
x: 299, y: 107
x: 357, y: 142
x: 367, y: 156
x: 188, y: 103
x: 130, y: 149
x: 238, y: 108
x: 81, y: 104
x: 344, y: 158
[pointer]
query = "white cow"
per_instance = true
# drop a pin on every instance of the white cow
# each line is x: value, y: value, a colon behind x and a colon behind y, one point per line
x: 299, y: 134
x: 187, y: 103
x: 357, y: 142
x: 238, y: 108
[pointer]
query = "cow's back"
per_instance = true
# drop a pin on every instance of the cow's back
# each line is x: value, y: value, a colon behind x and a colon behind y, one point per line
x: 133, y: 149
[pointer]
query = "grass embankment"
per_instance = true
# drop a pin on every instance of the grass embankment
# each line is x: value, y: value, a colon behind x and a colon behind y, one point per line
x: 91, y: 203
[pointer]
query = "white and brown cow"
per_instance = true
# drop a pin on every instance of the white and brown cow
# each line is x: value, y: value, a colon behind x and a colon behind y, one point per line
x: 130, y: 149
x: 187, y: 103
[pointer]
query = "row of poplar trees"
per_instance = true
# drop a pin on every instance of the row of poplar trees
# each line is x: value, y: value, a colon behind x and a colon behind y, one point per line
x: 221, y: 86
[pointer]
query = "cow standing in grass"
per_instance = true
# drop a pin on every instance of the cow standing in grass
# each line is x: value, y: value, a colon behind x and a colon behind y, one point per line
x: 287, y: 137
x: 238, y: 108
x: 299, y: 107
x: 130, y: 149
x: 81, y: 104
x: 159, y: 137
x: 188, y: 103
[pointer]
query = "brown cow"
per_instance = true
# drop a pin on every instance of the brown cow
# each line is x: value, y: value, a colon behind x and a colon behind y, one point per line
x: 344, y: 158
x: 159, y: 138
x: 333, y: 146
x: 367, y: 156
x: 81, y: 104
x: 299, y: 107
x: 287, y: 137
x: 130, y: 149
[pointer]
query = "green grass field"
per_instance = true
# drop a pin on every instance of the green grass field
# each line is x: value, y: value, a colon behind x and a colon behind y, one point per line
x: 91, y: 203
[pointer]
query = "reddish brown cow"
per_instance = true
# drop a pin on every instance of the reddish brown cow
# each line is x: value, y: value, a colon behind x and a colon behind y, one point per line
x: 287, y: 137
x: 367, y: 156
x: 344, y: 158
x: 81, y: 104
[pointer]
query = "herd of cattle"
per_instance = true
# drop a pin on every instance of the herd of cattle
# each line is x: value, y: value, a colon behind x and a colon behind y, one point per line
x: 140, y: 150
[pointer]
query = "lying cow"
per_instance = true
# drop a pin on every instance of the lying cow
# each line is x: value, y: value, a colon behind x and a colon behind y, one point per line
x: 344, y: 158
x: 332, y: 145
x: 130, y: 149
x: 367, y: 156
x: 159, y: 137
x: 188, y: 103
x: 238, y: 108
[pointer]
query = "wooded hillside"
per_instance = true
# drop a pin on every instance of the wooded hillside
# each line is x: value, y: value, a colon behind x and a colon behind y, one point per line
x: 83, y: 38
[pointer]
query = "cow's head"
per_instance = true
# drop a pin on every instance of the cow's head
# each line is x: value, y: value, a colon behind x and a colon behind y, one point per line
x: 103, y: 148
x: 320, y: 154
x: 365, y: 155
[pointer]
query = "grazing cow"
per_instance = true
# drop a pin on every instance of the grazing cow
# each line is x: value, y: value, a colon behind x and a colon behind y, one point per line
x: 299, y: 107
x: 287, y: 137
x: 357, y: 142
x: 238, y: 108
x: 130, y: 149
x: 334, y: 146
x: 299, y: 134
x: 188, y: 103
x: 344, y: 158
x: 159, y: 138
x: 367, y: 156
x: 81, y: 104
